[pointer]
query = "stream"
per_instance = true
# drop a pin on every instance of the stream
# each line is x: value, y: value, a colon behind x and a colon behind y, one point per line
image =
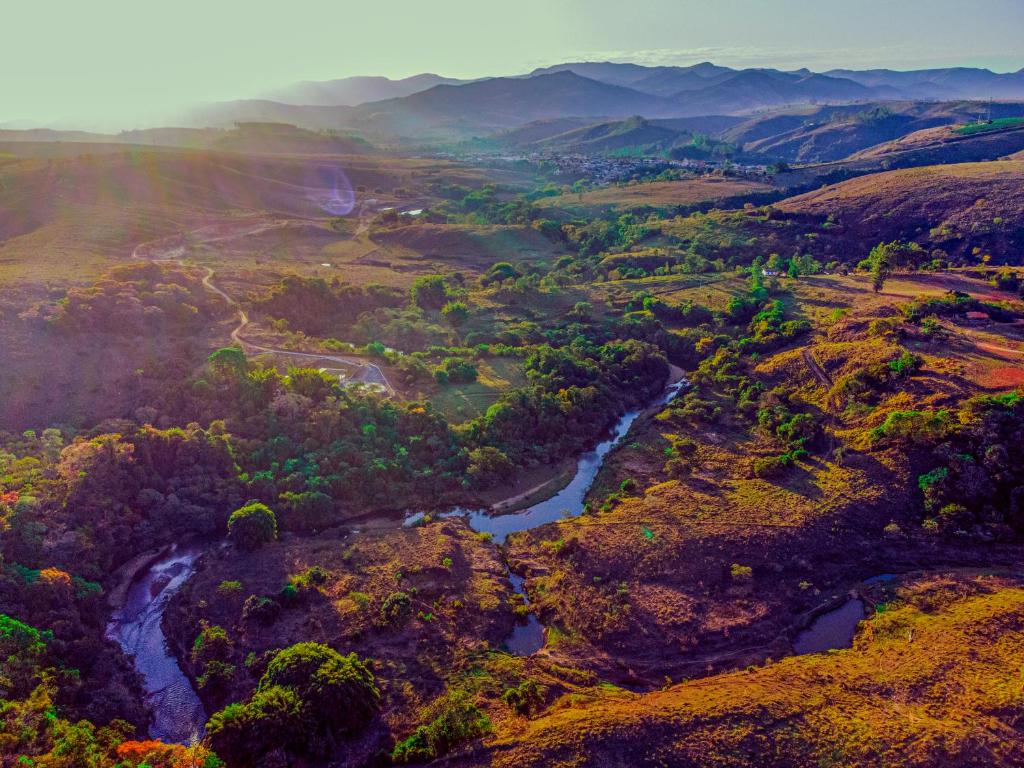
x: 178, y: 714
x: 569, y: 501
x: 528, y: 636
x: 831, y: 630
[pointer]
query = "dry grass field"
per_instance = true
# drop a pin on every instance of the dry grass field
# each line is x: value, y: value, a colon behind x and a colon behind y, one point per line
x: 659, y: 194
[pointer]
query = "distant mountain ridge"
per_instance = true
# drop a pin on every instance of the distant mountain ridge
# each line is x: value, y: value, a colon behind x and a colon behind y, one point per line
x: 430, y: 107
x: 949, y: 83
x: 352, y: 91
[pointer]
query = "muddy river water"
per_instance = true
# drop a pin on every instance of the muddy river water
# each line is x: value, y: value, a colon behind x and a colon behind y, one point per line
x: 178, y: 714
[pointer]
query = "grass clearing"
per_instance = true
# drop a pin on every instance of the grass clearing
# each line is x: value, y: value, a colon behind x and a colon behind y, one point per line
x: 463, y: 402
x: 987, y: 126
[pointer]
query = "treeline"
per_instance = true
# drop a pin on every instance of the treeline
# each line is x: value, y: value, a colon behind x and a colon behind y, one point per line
x: 575, y: 394
x: 134, y: 300
x: 970, y: 480
x: 37, y: 694
x: 103, y: 498
x: 71, y: 514
x: 302, y: 433
x: 320, y: 307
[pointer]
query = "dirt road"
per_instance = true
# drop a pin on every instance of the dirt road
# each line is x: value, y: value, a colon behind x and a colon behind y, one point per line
x: 172, y: 250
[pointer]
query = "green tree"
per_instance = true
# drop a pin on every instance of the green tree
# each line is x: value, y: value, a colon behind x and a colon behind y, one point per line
x: 252, y: 526
x: 499, y: 272
x: 228, y: 362
x: 756, y: 276
x: 456, y: 312
x: 429, y: 292
x: 879, y: 265
x: 308, y: 699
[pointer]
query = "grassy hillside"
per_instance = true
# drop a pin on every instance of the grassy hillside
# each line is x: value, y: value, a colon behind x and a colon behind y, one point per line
x: 67, y: 215
x: 948, y: 144
x: 905, y: 694
x: 665, y: 195
x: 967, y: 208
x: 825, y: 134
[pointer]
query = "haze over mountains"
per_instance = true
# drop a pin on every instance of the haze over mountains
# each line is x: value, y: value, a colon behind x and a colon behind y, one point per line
x: 351, y: 91
x: 764, y: 115
x: 429, y: 105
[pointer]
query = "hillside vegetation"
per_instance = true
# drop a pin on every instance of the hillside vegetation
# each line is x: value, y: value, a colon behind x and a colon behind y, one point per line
x: 592, y: 445
x: 967, y: 208
x: 905, y: 694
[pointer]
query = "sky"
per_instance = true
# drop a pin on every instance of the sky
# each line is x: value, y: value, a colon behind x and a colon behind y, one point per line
x: 120, y: 64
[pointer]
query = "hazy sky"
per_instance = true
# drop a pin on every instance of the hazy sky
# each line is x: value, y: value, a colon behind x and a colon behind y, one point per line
x: 126, y: 62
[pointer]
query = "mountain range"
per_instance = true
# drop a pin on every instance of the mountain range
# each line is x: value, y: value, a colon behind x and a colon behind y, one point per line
x: 428, y: 107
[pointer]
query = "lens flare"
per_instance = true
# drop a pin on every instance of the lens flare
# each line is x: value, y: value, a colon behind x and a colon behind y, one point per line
x: 333, y: 192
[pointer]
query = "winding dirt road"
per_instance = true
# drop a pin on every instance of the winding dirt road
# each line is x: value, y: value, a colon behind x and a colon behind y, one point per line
x: 174, y: 251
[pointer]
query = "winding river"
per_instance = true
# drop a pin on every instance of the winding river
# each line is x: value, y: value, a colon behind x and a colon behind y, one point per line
x: 178, y: 714
x: 528, y: 635
x: 569, y: 501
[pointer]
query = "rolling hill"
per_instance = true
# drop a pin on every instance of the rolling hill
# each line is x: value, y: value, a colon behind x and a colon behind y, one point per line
x: 889, y: 700
x: 431, y: 108
x: 64, y: 216
x: 499, y: 103
x: 952, y: 82
x: 947, y: 144
x: 634, y: 132
x: 580, y: 134
x: 956, y: 208
x: 352, y: 91
x: 831, y: 133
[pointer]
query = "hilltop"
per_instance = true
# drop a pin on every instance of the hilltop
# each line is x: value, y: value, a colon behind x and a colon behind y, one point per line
x: 432, y: 108
x: 950, y: 144
x: 904, y: 694
x: 960, y: 208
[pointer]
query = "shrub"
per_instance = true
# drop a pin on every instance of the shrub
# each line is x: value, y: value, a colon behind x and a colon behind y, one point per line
x: 488, y: 466
x: 252, y: 526
x: 525, y: 697
x: 312, y: 577
x: 770, y: 466
x: 289, y: 594
x: 456, y: 312
x: 212, y: 643
x: 308, y: 698
x: 339, y: 689
x: 395, y: 608
x: 263, y: 610
x: 913, y: 426
x: 906, y: 364
x: 455, y: 370
x: 457, y: 719
x: 741, y: 572
x: 216, y: 677
x: 429, y: 292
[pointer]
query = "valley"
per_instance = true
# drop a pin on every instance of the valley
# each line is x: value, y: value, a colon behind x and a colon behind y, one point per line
x: 604, y: 415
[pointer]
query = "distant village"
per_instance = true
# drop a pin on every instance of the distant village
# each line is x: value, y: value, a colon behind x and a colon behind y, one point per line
x: 600, y: 170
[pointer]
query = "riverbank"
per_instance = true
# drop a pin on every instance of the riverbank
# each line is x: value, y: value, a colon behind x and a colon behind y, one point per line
x: 128, y: 573
x: 136, y: 625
